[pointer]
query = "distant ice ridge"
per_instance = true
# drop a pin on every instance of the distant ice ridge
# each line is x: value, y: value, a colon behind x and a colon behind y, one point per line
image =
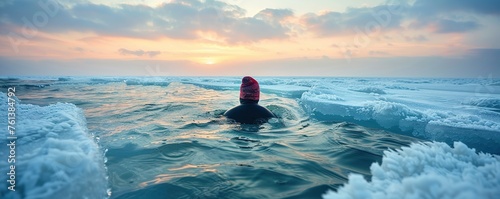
x: 435, y: 111
x: 56, y: 157
x: 150, y: 81
x: 485, y: 102
x: 427, y: 170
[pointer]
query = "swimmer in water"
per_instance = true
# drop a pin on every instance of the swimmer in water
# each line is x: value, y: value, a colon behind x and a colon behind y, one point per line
x: 249, y: 111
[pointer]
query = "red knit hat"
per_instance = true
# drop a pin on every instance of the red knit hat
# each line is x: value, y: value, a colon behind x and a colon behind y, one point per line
x: 249, y: 88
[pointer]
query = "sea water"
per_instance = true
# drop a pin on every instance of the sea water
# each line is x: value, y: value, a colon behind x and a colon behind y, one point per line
x: 165, y: 137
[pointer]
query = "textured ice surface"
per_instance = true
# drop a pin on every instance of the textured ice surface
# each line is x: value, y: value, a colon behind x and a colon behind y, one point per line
x: 427, y: 170
x: 56, y: 157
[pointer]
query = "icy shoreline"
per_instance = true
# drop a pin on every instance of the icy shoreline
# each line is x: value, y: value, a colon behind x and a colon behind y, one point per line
x: 56, y: 157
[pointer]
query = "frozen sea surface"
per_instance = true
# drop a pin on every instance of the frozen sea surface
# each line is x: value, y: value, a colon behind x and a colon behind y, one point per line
x: 165, y: 137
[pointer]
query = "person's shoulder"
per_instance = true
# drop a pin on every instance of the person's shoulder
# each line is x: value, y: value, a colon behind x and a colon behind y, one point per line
x: 263, y: 111
x: 233, y: 110
x: 249, y: 111
x: 240, y: 108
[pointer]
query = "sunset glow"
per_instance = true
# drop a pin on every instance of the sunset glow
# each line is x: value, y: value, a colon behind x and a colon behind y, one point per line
x: 209, y: 62
x: 181, y: 35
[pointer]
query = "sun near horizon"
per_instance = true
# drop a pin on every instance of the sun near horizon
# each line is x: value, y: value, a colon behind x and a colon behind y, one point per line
x: 210, y: 62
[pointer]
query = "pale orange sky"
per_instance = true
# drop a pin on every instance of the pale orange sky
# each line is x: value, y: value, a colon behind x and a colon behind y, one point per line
x: 216, y: 37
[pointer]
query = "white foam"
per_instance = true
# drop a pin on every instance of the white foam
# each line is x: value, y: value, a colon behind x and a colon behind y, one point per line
x: 56, y: 157
x: 427, y: 170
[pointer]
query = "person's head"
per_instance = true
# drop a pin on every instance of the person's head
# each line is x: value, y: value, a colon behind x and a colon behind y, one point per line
x: 249, y: 91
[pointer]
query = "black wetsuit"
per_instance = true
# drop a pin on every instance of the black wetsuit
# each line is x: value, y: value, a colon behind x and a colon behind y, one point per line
x: 249, y: 112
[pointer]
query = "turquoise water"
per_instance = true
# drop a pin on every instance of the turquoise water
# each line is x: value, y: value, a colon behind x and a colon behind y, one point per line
x: 169, y: 139
x: 171, y: 142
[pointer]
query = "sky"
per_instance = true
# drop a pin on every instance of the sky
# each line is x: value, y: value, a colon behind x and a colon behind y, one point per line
x: 355, y: 38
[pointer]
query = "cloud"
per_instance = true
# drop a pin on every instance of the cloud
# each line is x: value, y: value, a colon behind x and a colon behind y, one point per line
x: 253, y: 30
x: 432, y: 8
x: 446, y: 16
x: 78, y: 49
x: 451, y: 16
x: 492, y: 54
x: 366, y: 19
x: 444, y: 23
x: 138, y: 53
x: 191, y: 19
x: 178, y: 19
x: 417, y: 38
x: 92, y: 67
x: 451, y: 26
x: 376, y: 52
